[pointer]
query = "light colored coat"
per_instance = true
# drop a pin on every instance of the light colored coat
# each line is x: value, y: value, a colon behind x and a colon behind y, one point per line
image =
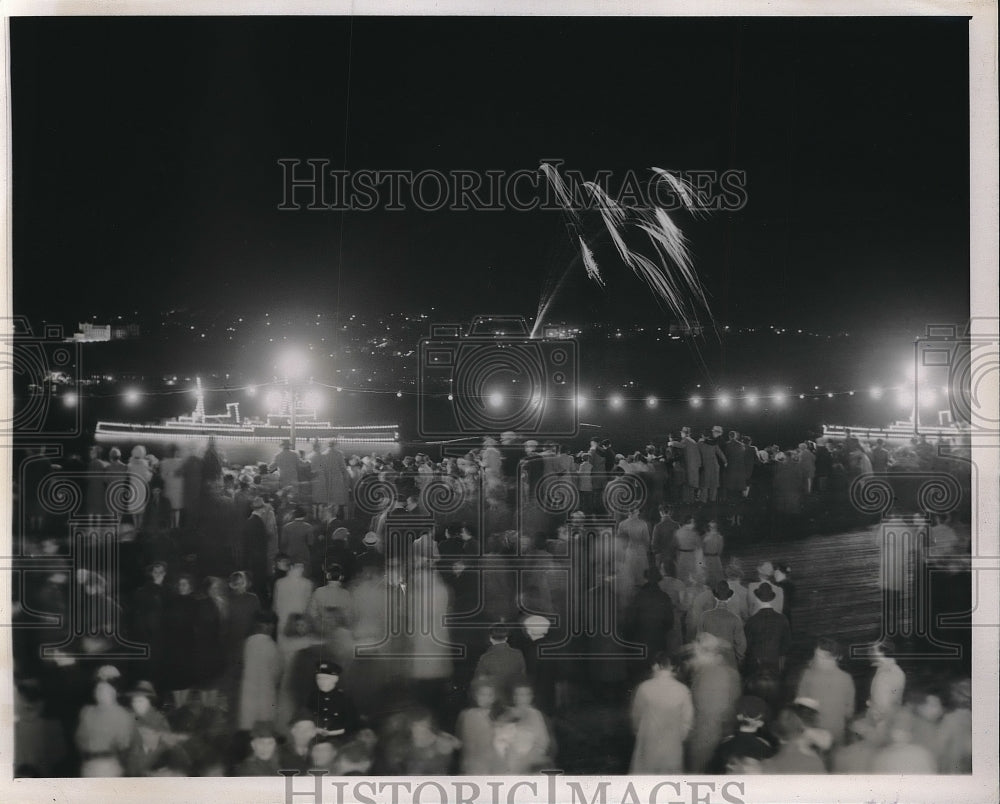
x: 261, y: 675
x: 662, y: 716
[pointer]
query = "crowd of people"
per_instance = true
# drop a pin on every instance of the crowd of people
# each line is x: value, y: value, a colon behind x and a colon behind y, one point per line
x: 406, y: 615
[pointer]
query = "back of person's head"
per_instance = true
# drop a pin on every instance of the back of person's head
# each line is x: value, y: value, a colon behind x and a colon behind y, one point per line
x: 788, y: 725
x: 299, y: 513
x: 499, y: 632
x: 830, y: 646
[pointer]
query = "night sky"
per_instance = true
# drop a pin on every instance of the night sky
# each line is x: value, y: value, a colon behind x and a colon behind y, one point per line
x: 146, y: 176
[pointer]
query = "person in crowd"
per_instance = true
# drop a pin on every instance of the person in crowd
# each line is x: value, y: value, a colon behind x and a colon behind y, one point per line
x: 955, y: 731
x: 662, y: 717
x: 95, y: 502
x: 263, y: 760
x: 105, y: 727
x: 340, y: 479
x: 663, y: 537
x: 287, y: 464
x: 749, y: 741
x: 209, y: 645
x: 154, y: 739
x: 414, y: 746
x: 715, y: 688
x: 39, y: 742
x: 723, y: 624
x: 328, y: 598
x: 831, y: 687
x: 322, y: 754
x: 888, y: 684
x: 355, y: 759
x: 585, y: 481
x: 734, y: 478
x: 475, y: 730
x: 783, y: 582
x: 633, y: 547
x: 297, y: 538
x: 139, y: 476
x: 807, y: 467
x: 687, y: 549
x: 333, y: 710
x: 765, y: 574
x: 713, y: 460
x: 855, y: 755
x: 148, y: 606
x: 796, y: 754
x: 691, y: 461
x: 502, y: 663
x: 180, y: 614
x: 294, y: 752
x: 291, y: 594
x: 712, y: 546
x: 650, y: 618
x: 522, y: 737
x: 768, y: 636
x: 256, y: 548
x: 261, y: 673
x: 903, y: 755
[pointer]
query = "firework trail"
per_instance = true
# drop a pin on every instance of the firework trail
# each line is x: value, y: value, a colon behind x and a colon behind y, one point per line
x: 671, y: 276
x: 590, y: 263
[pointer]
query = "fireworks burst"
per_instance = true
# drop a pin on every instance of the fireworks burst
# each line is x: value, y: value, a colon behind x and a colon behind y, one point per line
x: 671, y: 275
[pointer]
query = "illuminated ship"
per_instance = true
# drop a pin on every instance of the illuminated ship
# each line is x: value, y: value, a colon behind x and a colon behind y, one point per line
x: 246, y: 440
x: 900, y: 432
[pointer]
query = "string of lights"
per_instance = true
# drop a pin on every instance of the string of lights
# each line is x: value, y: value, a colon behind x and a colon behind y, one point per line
x: 720, y: 398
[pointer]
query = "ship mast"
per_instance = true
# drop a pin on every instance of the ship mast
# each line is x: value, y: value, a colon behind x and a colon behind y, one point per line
x: 199, y: 408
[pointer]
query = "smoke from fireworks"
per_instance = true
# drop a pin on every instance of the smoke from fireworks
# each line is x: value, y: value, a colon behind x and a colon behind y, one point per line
x: 671, y: 276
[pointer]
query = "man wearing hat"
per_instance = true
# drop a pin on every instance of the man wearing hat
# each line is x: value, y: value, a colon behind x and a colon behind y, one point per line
x: 724, y: 624
x: 297, y: 537
x: 149, y: 750
x: 263, y: 761
x: 287, y: 464
x: 769, y: 637
x: 748, y: 741
x: 765, y: 573
x: 333, y: 712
